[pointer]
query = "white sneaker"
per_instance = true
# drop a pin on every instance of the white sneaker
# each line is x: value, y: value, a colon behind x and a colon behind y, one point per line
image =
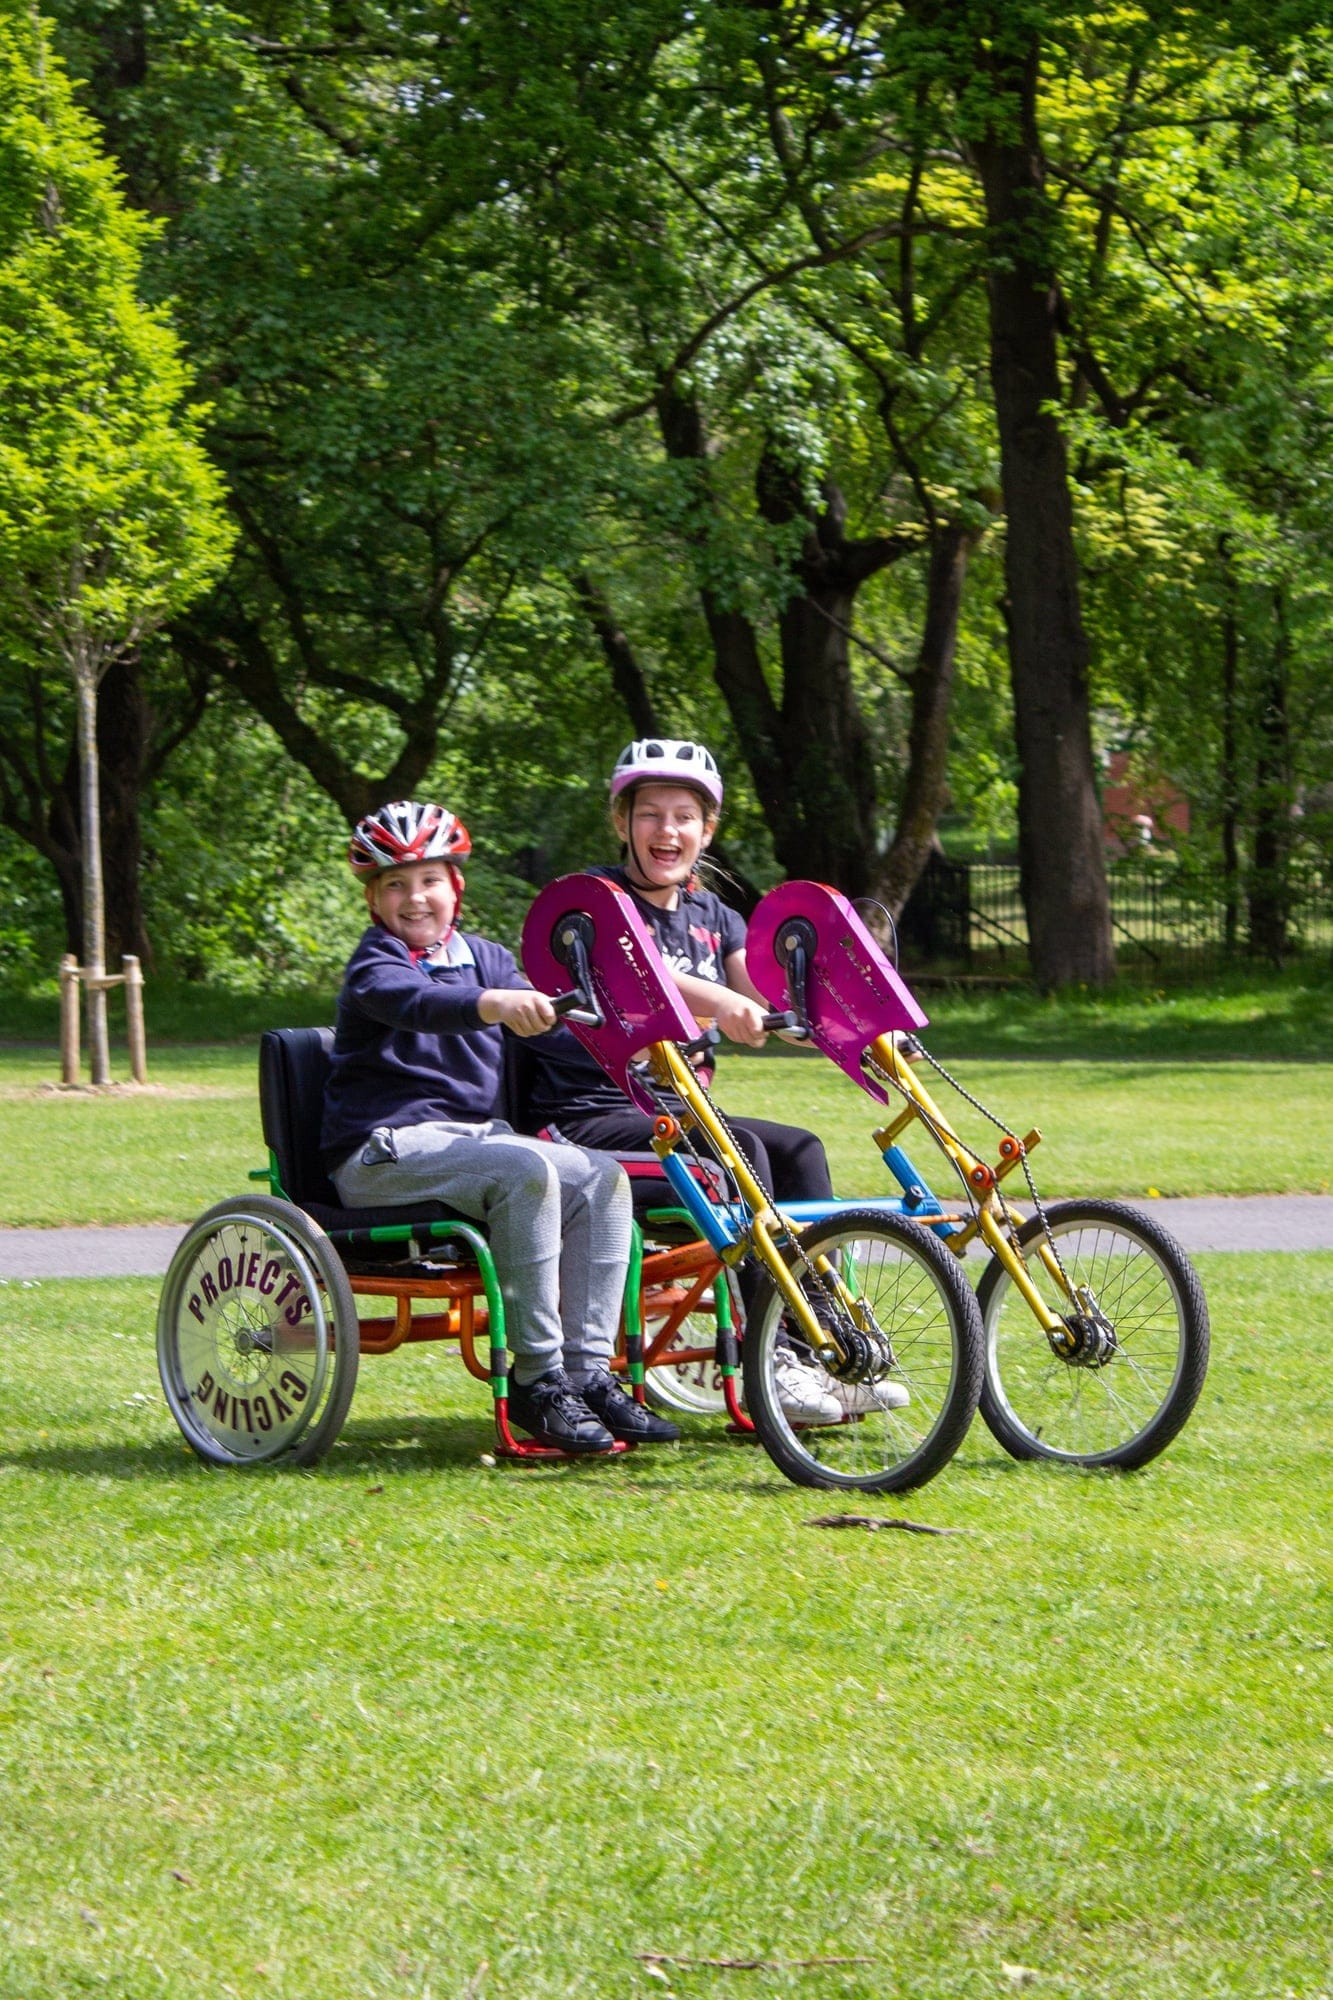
x: 862, y: 1399
x: 804, y: 1393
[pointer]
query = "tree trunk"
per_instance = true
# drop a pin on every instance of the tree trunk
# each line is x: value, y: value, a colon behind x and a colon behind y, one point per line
x: 827, y: 749
x: 94, y: 926
x: 1269, y: 890
x: 122, y: 732
x: 627, y: 676
x: 1061, y: 856
x: 1230, y: 773
x: 809, y: 754
x: 925, y: 783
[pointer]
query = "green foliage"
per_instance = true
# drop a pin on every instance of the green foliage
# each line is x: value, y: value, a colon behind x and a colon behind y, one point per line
x: 432, y: 269
x: 109, y: 514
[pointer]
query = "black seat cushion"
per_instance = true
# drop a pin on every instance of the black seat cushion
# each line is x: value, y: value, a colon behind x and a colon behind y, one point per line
x: 293, y: 1069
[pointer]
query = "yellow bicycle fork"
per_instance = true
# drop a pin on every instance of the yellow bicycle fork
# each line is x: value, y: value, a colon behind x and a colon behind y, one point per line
x: 981, y: 1179
x: 672, y: 1072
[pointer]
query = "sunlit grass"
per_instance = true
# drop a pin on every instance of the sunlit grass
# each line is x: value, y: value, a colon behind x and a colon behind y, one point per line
x: 370, y: 1729
x: 1108, y: 1128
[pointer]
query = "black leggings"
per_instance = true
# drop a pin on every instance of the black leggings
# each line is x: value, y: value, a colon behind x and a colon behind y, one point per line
x: 789, y: 1161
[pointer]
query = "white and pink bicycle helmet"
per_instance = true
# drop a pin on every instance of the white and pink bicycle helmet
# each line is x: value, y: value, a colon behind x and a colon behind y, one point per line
x: 668, y: 760
x: 406, y: 831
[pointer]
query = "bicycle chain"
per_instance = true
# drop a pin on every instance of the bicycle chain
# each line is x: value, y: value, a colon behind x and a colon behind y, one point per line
x: 953, y: 1083
x: 662, y: 1100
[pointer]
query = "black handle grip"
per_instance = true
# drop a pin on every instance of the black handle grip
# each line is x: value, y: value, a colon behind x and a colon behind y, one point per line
x: 784, y: 1020
x: 576, y: 1006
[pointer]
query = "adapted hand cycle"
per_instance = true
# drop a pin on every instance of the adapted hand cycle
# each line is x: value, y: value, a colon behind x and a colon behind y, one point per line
x: 260, y: 1329
x: 1096, y: 1325
x: 861, y: 1291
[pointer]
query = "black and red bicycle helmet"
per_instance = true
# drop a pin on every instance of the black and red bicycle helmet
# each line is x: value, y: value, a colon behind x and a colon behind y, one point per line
x: 407, y: 830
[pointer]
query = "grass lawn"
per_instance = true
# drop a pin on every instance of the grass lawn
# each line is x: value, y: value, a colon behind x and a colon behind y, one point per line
x: 1107, y: 1127
x: 1243, y: 1012
x: 406, y: 1726
x: 163, y: 1154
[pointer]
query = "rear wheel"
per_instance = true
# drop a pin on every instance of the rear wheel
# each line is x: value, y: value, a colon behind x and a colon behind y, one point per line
x: 257, y: 1335
x: 692, y: 1388
x: 1139, y: 1324
x: 909, y: 1415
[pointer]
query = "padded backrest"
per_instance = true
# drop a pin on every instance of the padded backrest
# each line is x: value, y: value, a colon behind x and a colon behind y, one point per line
x: 293, y: 1069
x: 516, y: 1086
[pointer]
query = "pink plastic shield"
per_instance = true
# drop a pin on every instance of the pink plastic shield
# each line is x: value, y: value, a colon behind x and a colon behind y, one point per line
x: 584, y: 920
x: 852, y: 993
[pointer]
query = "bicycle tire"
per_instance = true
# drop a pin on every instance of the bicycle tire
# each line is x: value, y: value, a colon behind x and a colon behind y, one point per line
x: 921, y: 1300
x: 1121, y: 1412
x: 258, y: 1339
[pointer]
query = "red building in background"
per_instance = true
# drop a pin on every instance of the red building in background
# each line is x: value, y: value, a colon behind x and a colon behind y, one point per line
x: 1139, y: 813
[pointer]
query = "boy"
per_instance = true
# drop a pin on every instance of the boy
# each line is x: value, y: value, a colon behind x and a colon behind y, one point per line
x: 417, y: 1057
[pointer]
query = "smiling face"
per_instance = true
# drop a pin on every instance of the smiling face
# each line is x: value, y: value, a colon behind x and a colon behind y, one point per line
x: 666, y: 828
x: 415, y: 901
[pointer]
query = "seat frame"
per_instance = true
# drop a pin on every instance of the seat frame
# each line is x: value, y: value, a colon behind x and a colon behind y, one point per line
x: 427, y: 1255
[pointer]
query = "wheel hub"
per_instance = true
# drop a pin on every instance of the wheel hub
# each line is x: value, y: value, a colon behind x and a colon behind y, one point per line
x: 1086, y: 1340
x: 246, y: 1340
x: 865, y: 1357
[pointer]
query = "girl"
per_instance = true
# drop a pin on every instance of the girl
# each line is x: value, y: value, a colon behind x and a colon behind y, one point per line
x: 666, y: 798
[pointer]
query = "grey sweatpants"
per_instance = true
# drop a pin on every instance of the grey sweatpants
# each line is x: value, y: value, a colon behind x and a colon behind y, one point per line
x: 558, y: 1219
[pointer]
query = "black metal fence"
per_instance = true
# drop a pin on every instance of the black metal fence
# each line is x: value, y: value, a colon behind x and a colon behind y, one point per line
x: 968, y: 917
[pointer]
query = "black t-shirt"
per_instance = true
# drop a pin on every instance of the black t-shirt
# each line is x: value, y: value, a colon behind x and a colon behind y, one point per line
x: 697, y: 937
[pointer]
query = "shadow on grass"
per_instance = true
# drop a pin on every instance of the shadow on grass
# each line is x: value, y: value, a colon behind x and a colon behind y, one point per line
x: 374, y: 1446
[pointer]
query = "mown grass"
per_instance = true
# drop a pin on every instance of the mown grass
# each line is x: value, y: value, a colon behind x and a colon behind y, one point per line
x: 1226, y: 1088
x: 404, y: 1725
x: 1108, y: 1128
x: 1244, y: 1012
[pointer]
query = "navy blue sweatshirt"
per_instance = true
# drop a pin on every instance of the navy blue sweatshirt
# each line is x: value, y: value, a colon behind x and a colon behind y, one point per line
x: 410, y: 1045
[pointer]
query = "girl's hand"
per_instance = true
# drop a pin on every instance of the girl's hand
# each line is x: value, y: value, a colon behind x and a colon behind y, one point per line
x: 740, y: 1018
x: 519, y: 1009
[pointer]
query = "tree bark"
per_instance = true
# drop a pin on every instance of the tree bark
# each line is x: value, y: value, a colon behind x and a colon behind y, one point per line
x: 1269, y: 897
x: 1061, y: 857
x: 90, y: 825
x: 627, y: 676
x: 122, y: 741
x: 925, y: 784
x: 825, y: 742
x: 809, y: 752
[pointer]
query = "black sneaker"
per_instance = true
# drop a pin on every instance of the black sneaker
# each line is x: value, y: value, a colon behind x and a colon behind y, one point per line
x: 623, y: 1417
x: 552, y: 1411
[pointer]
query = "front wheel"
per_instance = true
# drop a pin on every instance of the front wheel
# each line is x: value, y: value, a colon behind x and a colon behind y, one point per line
x: 900, y: 1426
x: 1139, y: 1334
x: 257, y: 1335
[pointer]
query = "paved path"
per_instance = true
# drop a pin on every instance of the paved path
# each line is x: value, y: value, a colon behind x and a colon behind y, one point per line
x: 1202, y: 1222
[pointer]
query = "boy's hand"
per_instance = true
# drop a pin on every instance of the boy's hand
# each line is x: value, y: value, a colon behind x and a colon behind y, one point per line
x: 516, y: 1008
x: 739, y: 1018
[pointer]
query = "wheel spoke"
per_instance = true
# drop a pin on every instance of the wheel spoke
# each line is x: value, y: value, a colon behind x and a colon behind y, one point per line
x: 1098, y: 1407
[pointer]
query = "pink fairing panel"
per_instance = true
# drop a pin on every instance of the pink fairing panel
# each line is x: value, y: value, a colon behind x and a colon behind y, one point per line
x: 632, y: 987
x: 852, y: 992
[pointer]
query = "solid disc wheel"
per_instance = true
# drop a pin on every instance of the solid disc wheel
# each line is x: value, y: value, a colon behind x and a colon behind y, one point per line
x: 905, y: 1425
x: 1130, y: 1388
x: 257, y: 1335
